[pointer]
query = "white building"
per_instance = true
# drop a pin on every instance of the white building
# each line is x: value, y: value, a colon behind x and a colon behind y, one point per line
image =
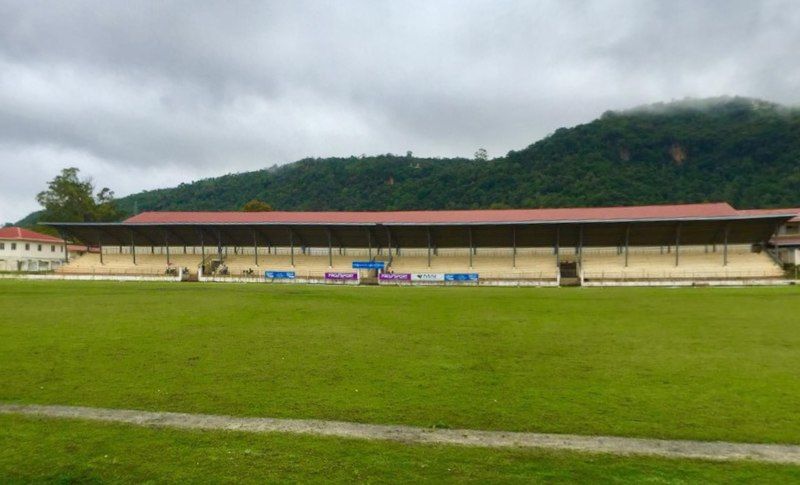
x: 25, y: 250
x: 787, y: 241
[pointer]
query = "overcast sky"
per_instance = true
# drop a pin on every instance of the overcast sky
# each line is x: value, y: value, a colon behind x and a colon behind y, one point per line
x: 150, y: 94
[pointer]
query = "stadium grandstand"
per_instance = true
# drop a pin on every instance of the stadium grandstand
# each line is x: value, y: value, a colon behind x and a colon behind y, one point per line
x: 684, y: 244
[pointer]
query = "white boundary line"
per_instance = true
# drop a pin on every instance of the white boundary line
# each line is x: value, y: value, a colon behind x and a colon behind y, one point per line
x: 704, y: 450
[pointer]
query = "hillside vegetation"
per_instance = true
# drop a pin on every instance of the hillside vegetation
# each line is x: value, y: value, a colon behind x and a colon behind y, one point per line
x: 739, y: 150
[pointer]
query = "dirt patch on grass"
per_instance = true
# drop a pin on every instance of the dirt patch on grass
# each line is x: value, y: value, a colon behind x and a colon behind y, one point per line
x: 717, y: 450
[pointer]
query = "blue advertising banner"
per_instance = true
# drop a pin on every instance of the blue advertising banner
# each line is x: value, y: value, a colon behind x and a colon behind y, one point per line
x: 279, y: 275
x: 461, y: 277
x: 368, y: 264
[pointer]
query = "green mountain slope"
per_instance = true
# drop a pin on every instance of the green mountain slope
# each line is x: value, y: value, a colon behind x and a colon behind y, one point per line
x: 743, y: 151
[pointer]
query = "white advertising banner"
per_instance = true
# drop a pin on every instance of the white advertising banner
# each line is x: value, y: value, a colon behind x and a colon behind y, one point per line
x: 427, y: 277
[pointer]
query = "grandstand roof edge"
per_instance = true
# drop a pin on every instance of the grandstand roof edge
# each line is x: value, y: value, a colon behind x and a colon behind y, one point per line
x: 736, y: 217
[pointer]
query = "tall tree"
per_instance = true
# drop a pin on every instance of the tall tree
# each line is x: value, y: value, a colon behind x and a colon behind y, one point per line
x: 256, y: 205
x: 70, y: 199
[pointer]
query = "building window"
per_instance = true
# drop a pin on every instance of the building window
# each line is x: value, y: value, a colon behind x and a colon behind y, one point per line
x: 2, y: 246
x: 27, y: 247
x: 39, y: 248
x: 13, y: 246
x: 52, y: 249
x: 61, y: 248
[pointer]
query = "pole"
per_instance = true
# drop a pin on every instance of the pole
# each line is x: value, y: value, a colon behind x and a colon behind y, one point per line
x: 255, y: 247
x: 627, y: 242
x: 101, y: 253
x: 389, y: 237
x: 166, y: 246
x: 469, y: 229
x: 369, y: 244
x: 291, y: 246
x: 725, y: 247
x: 677, y: 244
x: 556, y: 250
x: 429, y: 246
x: 513, y: 246
x: 66, y: 248
x: 330, y: 250
x: 133, y: 249
x: 580, y: 244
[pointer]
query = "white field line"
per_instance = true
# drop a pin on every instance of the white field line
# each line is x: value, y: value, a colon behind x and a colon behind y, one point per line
x: 706, y: 450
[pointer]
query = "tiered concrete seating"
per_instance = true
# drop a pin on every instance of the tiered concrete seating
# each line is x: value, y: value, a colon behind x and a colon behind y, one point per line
x: 313, y: 265
x: 122, y: 264
x: 488, y: 263
x: 693, y: 263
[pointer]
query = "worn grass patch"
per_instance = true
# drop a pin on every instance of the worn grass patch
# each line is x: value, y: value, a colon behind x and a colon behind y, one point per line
x: 40, y: 450
x: 665, y: 363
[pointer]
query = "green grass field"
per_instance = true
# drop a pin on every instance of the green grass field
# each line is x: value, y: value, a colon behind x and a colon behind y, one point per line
x: 709, y: 364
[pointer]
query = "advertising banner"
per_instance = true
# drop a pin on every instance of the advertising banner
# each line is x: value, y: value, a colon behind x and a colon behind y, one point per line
x: 279, y: 275
x: 368, y: 264
x: 394, y: 277
x: 461, y: 277
x: 427, y: 277
x: 341, y: 276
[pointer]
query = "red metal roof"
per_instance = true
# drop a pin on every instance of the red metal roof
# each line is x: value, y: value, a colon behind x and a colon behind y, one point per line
x: 785, y: 241
x: 770, y: 212
x: 683, y: 211
x: 20, y: 234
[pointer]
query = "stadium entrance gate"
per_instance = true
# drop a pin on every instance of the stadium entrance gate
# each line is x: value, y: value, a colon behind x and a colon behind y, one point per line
x: 569, y: 273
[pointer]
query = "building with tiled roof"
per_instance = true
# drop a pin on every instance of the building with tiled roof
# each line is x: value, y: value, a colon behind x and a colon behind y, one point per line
x: 25, y: 250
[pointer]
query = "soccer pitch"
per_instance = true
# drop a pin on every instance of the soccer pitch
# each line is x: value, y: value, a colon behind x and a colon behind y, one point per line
x: 704, y: 364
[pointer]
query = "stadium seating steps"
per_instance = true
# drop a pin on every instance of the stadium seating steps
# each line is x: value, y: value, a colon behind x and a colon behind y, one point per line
x: 529, y: 263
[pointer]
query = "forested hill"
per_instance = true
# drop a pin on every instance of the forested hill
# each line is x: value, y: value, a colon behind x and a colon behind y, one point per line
x: 742, y: 151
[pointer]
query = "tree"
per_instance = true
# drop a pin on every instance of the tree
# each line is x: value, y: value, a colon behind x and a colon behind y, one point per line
x: 256, y: 205
x: 481, y: 155
x: 70, y: 199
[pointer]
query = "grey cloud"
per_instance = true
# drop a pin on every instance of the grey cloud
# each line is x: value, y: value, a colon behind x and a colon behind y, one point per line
x: 147, y: 94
